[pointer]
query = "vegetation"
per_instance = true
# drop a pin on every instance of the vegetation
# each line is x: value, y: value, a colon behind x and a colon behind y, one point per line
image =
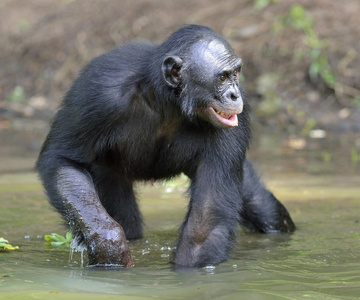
x: 299, y: 19
x: 56, y: 240
x: 320, y: 69
x: 355, y: 157
x: 262, y: 4
x: 5, y: 245
x: 18, y: 95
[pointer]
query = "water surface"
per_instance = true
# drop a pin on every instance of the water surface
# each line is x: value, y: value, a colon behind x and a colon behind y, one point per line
x: 321, y: 260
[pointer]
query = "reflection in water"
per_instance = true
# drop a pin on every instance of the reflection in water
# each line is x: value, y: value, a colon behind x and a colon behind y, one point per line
x: 321, y: 260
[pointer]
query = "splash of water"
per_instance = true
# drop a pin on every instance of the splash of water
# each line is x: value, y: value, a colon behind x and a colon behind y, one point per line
x: 75, y: 246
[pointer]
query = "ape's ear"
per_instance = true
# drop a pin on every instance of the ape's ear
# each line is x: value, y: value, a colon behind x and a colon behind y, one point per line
x: 171, y: 68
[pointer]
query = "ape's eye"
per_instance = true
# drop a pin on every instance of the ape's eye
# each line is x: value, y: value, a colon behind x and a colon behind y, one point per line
x: 222, y: 78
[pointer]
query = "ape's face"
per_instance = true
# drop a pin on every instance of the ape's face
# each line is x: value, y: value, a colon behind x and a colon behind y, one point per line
x: 210, y: 78
x: 215, y: 72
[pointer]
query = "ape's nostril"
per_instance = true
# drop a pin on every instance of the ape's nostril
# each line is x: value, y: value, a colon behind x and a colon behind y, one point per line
x: 235, y: 96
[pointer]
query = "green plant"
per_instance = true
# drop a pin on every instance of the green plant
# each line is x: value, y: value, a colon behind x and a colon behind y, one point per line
x: 355, y: 156
x: 309, y: 125
x: 300, y: 19
x: 17, y: 95
x: 326, y: 156
x: 320, y: 67
x: 5, y: 245
x: 262, y: 4
x: 357, y: 101
x: 55, y: 239
x: 24, y: 25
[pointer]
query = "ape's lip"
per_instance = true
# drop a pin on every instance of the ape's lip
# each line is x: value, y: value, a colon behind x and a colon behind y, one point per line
x: 229, y: 119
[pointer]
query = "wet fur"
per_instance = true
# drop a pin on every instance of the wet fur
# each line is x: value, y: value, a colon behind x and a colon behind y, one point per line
x: 120, y: 123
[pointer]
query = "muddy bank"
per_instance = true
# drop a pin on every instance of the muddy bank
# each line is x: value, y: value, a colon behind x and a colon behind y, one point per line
x: 45, y: 44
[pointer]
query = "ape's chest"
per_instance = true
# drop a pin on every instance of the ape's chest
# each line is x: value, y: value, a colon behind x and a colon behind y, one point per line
x: 147, y: 157
x: 164, y: 159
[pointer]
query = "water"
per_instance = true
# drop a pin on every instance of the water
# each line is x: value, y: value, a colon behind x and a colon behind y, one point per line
x: 321, y: 260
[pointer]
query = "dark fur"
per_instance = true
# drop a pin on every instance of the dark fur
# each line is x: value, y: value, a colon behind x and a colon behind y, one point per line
x: 119, y: 123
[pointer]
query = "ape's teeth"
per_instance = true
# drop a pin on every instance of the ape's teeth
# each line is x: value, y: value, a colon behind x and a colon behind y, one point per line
x: 222, y: 114
x: 219, y: 112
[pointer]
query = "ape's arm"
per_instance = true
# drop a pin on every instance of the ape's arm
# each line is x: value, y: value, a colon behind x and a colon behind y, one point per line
x: 74, y: 195
x: 212, y: 220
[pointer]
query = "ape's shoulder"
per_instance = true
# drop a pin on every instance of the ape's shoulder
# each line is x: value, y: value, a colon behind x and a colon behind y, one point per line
x: 113, y: 75
x: 128, y: 58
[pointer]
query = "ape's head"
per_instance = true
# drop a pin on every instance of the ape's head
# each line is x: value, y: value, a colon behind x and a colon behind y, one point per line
x: 207, y: 77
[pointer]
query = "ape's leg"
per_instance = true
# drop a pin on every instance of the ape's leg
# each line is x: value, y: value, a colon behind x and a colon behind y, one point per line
x: 261, y: 211
x: 71, y: 190
x: 117, y: 196
x: 212, y: 220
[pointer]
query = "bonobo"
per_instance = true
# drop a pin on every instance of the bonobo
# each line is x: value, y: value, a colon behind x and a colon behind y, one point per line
x: 146, y: 112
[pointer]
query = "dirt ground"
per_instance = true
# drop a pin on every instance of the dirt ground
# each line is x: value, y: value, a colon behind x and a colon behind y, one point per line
x: 45, y: 43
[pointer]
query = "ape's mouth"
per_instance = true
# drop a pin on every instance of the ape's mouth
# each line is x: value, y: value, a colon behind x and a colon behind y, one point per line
x: 225, y: 118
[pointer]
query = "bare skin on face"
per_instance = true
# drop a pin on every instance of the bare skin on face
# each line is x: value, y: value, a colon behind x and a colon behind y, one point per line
x: 217, y: 65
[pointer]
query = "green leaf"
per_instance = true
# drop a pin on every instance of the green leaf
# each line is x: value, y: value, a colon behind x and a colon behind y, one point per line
x: 57, y: 243
x: 68, y: 237
x: 55, y: 239
x: 4, y: 245
x: 47, y: 238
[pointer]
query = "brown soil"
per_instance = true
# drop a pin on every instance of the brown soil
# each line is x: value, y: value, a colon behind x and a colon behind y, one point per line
x: 45, y: 43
